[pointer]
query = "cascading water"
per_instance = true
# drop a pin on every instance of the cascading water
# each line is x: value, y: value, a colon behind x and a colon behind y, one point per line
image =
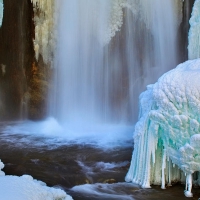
x: 106, y: 52
x: 79, y: 59
x: 101, y: 71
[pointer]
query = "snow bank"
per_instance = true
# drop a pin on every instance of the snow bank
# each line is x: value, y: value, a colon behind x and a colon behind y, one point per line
x: 1, y: 12
x: 167, y: 138
x: 25, y: 187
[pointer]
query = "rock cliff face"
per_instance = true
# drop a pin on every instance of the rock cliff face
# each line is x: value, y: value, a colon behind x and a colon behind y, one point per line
x: 16, y: 55
x: 18, y: 93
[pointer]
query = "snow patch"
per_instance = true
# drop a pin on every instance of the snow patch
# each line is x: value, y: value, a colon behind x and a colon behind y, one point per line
x: 25, y: 187
x: 107, y: 191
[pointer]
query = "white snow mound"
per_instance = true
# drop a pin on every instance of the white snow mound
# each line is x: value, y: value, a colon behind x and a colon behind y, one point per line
x: 27, y: 188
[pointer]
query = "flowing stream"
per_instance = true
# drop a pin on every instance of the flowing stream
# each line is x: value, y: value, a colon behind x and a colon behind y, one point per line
x: 84, y: 171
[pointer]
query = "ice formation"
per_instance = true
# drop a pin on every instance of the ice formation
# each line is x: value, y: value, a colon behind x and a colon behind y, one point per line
x: 166, y: 137
x: 25, y: 187
x: 1, y: 12
x: 138, y: 7
x: 44, y: 19
x: 115, y: 20
x: 194, y: 36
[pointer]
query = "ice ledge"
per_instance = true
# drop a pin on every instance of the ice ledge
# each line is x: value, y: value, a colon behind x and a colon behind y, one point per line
x: 167, y: 135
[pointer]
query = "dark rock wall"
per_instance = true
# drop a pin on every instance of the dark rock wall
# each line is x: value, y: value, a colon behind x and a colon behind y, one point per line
x: 38, y: 87
x: 23, y: 83
x: 16, y: 54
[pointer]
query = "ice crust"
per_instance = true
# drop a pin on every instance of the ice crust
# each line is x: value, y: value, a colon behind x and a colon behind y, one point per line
x: 25, y: 187
x: 166, y: 137
x: 1, y: 12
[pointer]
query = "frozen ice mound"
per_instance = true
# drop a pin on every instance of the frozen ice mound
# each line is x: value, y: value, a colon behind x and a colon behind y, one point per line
x: 167, y: 135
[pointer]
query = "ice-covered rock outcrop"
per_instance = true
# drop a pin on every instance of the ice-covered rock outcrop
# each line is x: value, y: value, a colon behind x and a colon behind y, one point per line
x: 25, y: 187
x: 167, y: 135
x: 1, y: 12
x: 44, y: 41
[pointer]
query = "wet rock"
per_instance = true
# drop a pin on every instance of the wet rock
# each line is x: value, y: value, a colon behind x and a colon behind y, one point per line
x: 87, y: 181
x: 110, y: 181
x: 38, y: 92
x: 16, y: 56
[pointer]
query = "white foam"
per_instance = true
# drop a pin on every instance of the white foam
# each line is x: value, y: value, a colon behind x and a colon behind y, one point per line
x: 106, y: 166
x: 107, y: 135
x: 105, y: 190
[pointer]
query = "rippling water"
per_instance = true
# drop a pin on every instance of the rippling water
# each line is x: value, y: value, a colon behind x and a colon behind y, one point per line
x: 85, y: 171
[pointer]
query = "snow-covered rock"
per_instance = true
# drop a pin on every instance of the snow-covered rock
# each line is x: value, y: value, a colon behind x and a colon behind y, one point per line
x: 27, y: 188
x: 167, y: 135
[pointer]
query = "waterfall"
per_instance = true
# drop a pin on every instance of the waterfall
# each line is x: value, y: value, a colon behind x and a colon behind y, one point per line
x: 80, y: 59
x: 107, y: 52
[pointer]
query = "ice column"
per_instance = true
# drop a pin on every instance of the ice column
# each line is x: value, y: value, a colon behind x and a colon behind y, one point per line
x: 194, y: 32
x: 188, y: 186
x: 1, y: 12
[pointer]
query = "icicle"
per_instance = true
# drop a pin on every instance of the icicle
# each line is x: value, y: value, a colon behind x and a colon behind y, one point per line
x: 188, y: 186
x: 1, y: 12
x: 163, y: 169
x: 169, y: 173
